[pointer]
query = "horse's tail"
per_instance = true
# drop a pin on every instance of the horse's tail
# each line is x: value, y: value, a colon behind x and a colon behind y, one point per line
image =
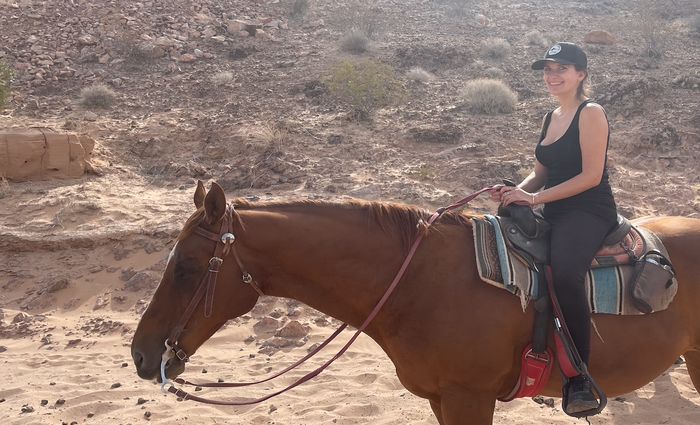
x: 692, y: 361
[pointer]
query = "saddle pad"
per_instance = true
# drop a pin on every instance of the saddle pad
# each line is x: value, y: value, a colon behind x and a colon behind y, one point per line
x: 607, y: 287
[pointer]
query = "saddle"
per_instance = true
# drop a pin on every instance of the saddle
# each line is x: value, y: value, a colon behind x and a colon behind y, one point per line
x: 528, y: 233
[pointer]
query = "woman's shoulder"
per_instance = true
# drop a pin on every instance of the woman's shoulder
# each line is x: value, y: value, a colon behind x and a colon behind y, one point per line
x: 593, y: 111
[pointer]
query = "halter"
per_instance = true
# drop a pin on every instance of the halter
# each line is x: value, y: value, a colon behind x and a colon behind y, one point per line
x: 206, y: 287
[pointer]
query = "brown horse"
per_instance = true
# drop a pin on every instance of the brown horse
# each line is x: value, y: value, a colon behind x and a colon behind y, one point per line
x: 453, y: 339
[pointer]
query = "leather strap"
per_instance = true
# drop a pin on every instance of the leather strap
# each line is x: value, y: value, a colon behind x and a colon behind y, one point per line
x: 243, y: 402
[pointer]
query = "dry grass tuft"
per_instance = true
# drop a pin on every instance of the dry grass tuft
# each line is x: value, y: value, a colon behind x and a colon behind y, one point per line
x: 495, y: 48
x: 489, y: 96
x: 354, y: 41
x: 97, y: 96
x: 536, y: 38
x: 222, y: 78
x: 6, y: 76
x: 419, y: 74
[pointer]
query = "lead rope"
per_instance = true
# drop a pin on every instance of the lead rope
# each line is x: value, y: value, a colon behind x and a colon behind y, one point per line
x: 426, y: 225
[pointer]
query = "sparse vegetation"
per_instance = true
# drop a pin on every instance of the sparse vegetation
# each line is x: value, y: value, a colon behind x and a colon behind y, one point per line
x: 495, y: 48
x: 363, y: 16
x: 6, y: 76
x: 222, y: 78
x: 653, y: 30
x: 493, y: 72
x: 299, y: 8
x: 275, y: 135
x: 536, y: 38
x: 695, y: 25
x: 4, y: 187
x: 136, y: 54
x: 354, y: 41
x: 364, y: 86
x: 419, y: 74
x: 97, y: 96
x: 489, y: 96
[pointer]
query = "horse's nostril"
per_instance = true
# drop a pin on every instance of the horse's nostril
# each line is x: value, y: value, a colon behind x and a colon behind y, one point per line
x: 138, y: 359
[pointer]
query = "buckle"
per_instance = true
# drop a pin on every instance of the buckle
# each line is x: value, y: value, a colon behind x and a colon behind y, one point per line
x: 181, y: 355
x: 540, y: 357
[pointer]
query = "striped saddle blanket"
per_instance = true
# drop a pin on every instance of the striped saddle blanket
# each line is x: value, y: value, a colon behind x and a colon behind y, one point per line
x: 607, y: 287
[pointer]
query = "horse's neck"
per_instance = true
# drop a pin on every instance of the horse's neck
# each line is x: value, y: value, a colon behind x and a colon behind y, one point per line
x: 335, y: 262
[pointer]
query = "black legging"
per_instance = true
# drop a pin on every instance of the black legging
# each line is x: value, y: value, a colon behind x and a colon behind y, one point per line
x: 576, y: 237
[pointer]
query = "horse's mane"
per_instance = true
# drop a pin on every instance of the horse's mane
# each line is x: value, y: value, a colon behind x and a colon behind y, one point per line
x: 391, y: 217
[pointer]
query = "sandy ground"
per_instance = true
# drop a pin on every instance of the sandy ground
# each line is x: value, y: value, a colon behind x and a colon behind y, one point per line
x: 71, y: 305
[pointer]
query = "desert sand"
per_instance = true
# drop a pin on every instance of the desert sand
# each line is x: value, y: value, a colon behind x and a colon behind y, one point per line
x: 80, y: 258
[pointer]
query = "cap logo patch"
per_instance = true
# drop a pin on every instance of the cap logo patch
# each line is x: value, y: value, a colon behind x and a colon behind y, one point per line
x: 554, y: 50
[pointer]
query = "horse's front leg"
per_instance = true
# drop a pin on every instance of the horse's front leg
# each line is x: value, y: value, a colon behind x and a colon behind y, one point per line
x: 463, y: 407
x: 437, y: 410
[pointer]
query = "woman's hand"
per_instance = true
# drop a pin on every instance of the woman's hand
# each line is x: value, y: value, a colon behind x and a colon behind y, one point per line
x: 515, y: 195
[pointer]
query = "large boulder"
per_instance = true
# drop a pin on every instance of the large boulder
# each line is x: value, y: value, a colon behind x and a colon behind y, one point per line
x: 42, y: 153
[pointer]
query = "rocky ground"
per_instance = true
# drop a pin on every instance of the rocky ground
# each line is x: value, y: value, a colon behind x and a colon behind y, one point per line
x: 237, y: 92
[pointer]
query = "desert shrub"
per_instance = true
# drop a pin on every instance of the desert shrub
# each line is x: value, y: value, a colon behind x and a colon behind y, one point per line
x: 222, y: 78
x: 419, y: 74
x: 495, y: 48
x: 275, y: 135
x: 97, y: 96
x: 136, y: 54
x: 363, y: 16
x: 493, y: 72
x: 6, y: 75
x: 489, y: 96
x: 364, y: 86
x: 536, y: 38
x: 4, y: 187
x: 354, y: 41
x: 299, y: 8
x: 653, y: 30
x: 695, y: 25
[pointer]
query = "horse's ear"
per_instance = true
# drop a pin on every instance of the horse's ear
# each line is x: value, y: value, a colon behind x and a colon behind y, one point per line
x: 199, y: 194
x: 214, y: 204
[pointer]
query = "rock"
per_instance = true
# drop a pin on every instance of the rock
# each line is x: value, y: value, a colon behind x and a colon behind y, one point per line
x: 293, y: 330
x: 86, y: 40
x: 60, y: 402
x: 115, y: 385
x: 27, y: 409
x: 198, y: 53
x: 141, y: 401
x: 187, y: 58
x: 41, y: 154
x: 141, y: 281
x: 21, y: 317
x: 237, y: 26
x: 266, y: 325
x: 3, y: 348
x: 600, y: 37
x: 44, y: 402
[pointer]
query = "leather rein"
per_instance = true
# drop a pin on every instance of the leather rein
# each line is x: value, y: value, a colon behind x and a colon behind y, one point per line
x: 224, y: 246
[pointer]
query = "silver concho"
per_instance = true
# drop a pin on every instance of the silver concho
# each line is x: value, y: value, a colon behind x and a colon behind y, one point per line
x: 228, y: 238
x: 554, y: 50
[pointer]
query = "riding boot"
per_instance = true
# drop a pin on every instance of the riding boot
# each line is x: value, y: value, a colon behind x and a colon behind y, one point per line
x: 581, y: 396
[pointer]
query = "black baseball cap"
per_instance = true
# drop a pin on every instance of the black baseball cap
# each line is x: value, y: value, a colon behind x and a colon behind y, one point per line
x: 565, y: 54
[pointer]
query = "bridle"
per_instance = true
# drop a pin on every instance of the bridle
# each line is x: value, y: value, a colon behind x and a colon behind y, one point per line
x: 207, y: 284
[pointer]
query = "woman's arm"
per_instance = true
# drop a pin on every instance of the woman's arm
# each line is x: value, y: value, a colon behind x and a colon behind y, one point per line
x: 593, y: 134
x: 535, y: 180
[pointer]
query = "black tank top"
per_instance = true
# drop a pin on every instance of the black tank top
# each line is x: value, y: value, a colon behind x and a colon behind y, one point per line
x: 563, y: 161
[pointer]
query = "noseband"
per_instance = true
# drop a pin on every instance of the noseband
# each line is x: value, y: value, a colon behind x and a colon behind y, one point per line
x: 207, y: 285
